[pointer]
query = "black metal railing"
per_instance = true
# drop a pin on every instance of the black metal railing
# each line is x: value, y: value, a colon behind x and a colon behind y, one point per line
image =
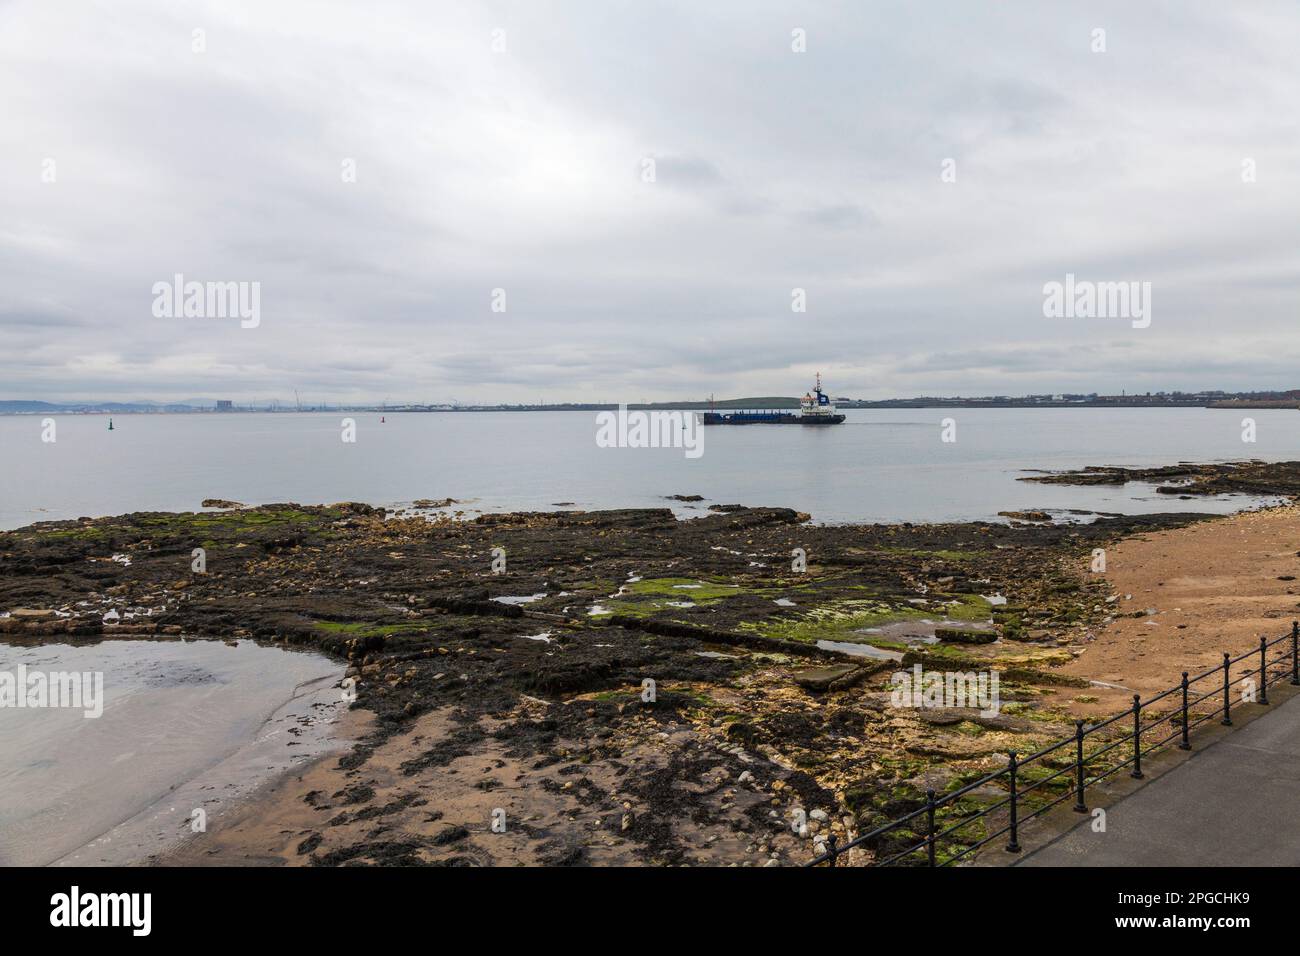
x: 929, y: 850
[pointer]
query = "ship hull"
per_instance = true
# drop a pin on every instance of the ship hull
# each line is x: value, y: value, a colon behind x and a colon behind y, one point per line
x: 770, y: 418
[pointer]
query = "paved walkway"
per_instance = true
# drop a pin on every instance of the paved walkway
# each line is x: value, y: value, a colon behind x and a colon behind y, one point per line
x: 1234, y: 803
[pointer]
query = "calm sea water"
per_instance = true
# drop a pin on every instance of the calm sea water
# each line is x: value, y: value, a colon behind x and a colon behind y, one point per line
x: 881, y: 465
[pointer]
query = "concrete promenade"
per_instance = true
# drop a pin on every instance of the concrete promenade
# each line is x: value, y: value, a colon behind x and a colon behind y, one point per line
x: 1235, y: 802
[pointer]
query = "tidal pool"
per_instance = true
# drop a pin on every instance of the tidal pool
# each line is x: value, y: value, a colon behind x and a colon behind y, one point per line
x: 187, y: 725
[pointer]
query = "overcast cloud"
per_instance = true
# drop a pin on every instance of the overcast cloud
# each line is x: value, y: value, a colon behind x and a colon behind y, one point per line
x: 522, y: 170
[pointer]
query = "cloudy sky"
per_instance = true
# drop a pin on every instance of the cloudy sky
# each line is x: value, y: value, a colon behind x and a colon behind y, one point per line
x: 128, y: 156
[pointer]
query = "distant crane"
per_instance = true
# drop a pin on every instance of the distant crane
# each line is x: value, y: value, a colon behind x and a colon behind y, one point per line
x: 297, y: 399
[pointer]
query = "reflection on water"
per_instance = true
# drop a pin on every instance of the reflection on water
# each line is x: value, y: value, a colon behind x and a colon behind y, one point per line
x: 880, y: 465
x: 186, y: 725
x: 861, y: 650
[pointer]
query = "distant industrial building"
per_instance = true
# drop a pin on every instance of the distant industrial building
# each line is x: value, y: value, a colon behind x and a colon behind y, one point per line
x: 225, y: 406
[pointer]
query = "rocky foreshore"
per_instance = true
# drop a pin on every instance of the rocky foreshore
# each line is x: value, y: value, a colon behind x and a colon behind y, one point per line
x: 510, y: 661
x: 1280, y: 478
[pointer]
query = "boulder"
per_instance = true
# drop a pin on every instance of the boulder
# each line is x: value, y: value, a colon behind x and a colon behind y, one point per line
x: 1034, y: 516
x: 958, y: 635
x: 819, y: 679
x: 31, y: 614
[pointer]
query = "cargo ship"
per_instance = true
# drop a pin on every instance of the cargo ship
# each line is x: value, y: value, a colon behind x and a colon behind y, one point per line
x: 815, y: 408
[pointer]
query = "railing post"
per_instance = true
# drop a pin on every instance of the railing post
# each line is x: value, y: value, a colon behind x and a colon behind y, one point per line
x: 834, y: 851
x: 929, y: 813
x: 1186, y: 744
x: 1263, y: 670
x: 1227, y: 694
x: 1295, y: 653
x: 1079, y: 805
x: 1137, y: 738
x: 1013, y: 845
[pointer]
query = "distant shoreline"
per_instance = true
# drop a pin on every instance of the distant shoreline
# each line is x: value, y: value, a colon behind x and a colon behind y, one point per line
x: 908, y: 403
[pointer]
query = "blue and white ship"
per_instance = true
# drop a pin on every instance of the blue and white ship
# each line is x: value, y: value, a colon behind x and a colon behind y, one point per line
x: 815, y: 408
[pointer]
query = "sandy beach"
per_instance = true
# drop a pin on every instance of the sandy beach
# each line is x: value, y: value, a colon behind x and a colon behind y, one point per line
x: 1214, y: 586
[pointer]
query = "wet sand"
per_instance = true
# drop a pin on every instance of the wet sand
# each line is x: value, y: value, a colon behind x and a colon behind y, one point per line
x: 385, y: 813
